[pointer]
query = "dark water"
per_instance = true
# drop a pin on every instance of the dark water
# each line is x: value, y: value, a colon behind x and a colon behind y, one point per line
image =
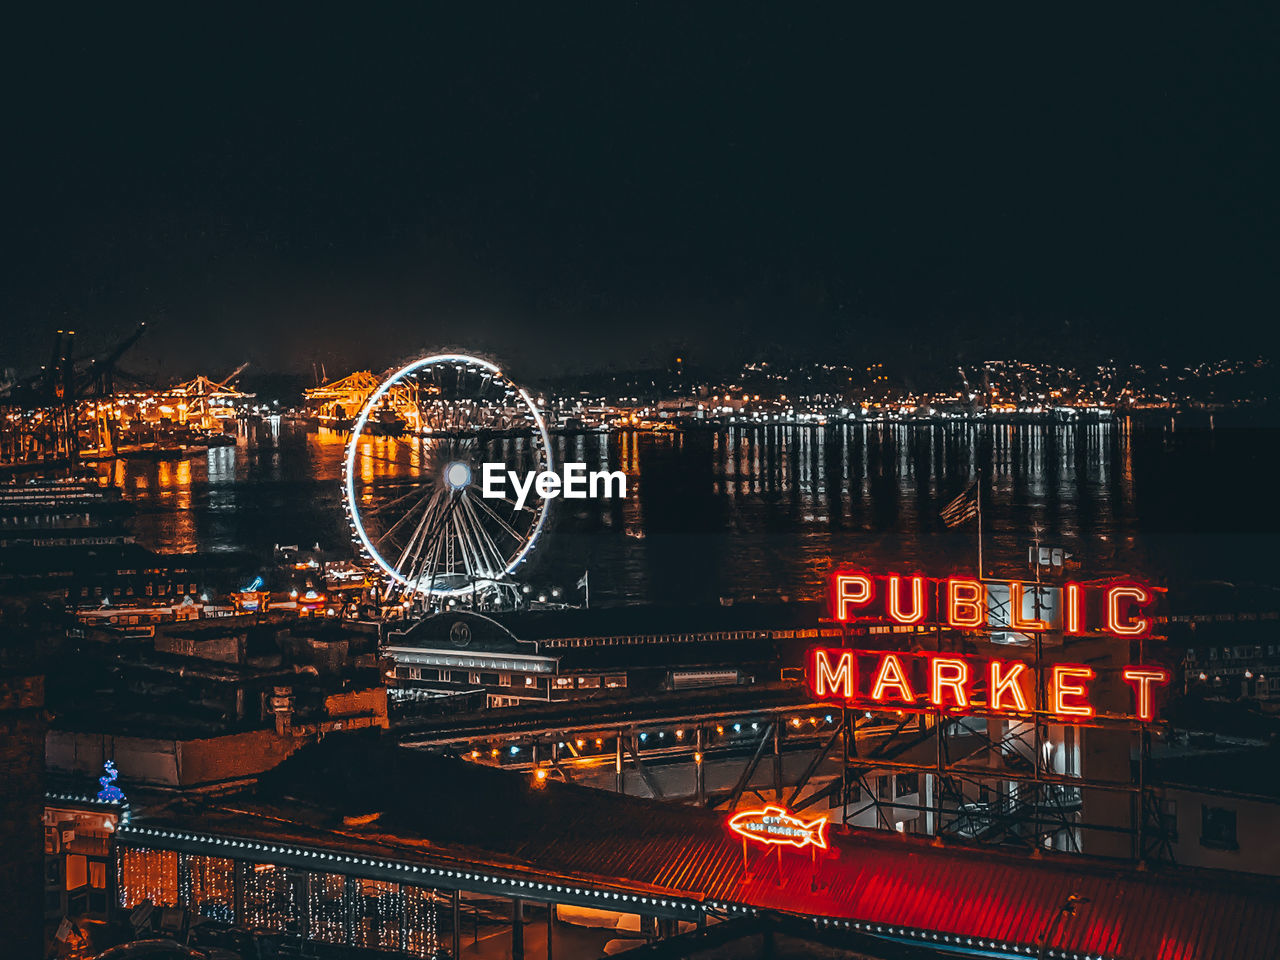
x: 767, y: 511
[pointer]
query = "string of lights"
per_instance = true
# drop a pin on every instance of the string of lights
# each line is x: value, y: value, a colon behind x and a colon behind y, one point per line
x: 140, y: 874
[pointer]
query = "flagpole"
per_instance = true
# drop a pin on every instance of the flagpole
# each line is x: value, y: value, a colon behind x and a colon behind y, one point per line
x: 981, y: 572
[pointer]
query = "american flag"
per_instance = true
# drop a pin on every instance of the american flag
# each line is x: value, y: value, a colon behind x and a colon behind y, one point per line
x: 963, y: 507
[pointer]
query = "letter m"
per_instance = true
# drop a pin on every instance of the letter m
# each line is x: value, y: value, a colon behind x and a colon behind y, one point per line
x: 829, y: 682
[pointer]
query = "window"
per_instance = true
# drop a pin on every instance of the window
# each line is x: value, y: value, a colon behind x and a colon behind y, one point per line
x: 504, y: 679
x: 562, y: 682
x: 487, y: 679
x: 617, y: 680
x: 1169, y: 818
x: 908, y: 783
x: 884, y: 787
x: 589, y: 682
x: 1217, y: 828
x: 530, y: 681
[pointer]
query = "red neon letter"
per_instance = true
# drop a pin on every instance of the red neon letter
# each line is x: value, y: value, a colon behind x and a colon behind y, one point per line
x: 1002, y: 683
x: 966, y: 603
x: 1141, y: 679
x: 917, y: 600
x: 953, y: 674
x: 1136, y: 626
x: 891, y: 674
x: 1015, y: 612
x: 837, y: 682
x: 852, y: 590
x: 1073, y: 615
x: 1062, y: 688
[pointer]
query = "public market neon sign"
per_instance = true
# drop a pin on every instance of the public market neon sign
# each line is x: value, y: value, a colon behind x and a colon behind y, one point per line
x: 1123, y: 609
x: 887, y: 679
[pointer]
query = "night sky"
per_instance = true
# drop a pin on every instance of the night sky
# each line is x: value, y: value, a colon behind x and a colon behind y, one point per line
x: 569, y: 193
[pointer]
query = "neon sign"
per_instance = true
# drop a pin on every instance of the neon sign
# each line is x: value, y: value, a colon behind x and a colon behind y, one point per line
x: 966, y: 684
x: 1121, y: 608
x: 774, y: 825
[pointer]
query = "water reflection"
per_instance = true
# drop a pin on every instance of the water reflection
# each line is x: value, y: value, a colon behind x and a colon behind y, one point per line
x: 762, y: 511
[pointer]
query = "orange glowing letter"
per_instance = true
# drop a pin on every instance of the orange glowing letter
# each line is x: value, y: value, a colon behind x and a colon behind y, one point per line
x: 1135, y: 626
x: 1073, y: 614
x: 1141, y: 679
x: 917, y: 600
x: 1006, y: 682
x: 838, y: 682
x: 966, y: 603
x: 891, y: 674
x: 852, y: 590
x: 1016, y: 622
x: 953, y: 674
x: 1062, y: 688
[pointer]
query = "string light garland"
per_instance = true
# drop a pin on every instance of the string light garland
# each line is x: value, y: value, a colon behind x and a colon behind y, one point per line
x: 331, y: 898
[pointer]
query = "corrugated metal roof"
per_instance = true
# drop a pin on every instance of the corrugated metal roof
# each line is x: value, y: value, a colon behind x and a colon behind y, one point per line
x: 432, y: 806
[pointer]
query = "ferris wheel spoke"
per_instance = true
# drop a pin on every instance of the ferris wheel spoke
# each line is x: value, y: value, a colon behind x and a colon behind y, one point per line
x: 428, y: 562
x: 484, y: 561
x: 415, y: 542
x: 506, y: 527
x: 430, y: 566
x: 496, y: 561
x: 426, y: 500
x: 470, y: 563
x: 416, y: 491
x: 517, y: 506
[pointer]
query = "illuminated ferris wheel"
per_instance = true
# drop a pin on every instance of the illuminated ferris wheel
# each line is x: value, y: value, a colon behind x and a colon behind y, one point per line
x: 412, y: 479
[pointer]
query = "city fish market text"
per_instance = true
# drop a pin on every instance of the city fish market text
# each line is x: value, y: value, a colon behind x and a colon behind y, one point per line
x: 776, y: 825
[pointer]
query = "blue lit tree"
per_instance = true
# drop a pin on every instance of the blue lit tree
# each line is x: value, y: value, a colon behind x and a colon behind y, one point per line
x: 110, y: 793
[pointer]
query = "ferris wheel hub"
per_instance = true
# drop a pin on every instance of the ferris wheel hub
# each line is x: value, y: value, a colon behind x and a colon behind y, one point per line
x: 457, y: 475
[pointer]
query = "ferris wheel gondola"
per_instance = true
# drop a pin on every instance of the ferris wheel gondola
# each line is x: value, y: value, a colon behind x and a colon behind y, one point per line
x: 412, y: 479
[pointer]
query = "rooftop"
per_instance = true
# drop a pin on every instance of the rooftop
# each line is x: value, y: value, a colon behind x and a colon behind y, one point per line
x: 364, y: 797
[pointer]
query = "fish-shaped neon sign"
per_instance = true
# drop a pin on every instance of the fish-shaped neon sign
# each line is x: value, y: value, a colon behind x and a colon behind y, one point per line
x: 776, y: 825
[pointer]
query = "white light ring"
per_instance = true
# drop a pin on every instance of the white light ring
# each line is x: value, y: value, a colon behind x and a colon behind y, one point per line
x: 358, y: 427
